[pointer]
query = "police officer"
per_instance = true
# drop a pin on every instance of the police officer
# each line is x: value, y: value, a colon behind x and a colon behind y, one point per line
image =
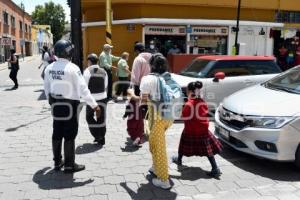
x: 64, y: 85
x: 97, y: 81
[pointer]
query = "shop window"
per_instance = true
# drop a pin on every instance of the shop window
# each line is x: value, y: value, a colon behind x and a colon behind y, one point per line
x: 209, y: 45
x: 21, y: 25
x: 13, y: 21
x: 5, y: 17
x: 288, y: 17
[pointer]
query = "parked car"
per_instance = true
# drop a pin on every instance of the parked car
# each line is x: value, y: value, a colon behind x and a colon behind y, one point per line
x: 264, y: 120
x: 224, y: 75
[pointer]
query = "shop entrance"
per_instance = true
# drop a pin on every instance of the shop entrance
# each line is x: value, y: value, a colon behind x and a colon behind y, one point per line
x: 163, y: 43
x: 286, y: 48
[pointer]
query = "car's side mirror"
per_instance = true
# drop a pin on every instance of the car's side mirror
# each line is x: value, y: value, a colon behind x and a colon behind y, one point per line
x: 219, y: 76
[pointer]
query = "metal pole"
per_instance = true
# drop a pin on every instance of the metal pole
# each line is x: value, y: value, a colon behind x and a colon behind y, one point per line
x: 23, y: 26
x: 76, y: 32
x: 237, y: 48
x: 108, y: 34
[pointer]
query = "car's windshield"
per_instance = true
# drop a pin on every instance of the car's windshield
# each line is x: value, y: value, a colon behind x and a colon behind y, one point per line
x: 198, y: 68
x: 288, y: 82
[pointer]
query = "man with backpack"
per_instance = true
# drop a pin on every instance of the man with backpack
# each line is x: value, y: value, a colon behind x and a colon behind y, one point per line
x: 97, y: 81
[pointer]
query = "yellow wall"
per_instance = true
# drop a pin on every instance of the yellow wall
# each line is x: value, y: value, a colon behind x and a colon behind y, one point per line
x: 181, y: 12
x: 256, y: 4
x: 123, y: 40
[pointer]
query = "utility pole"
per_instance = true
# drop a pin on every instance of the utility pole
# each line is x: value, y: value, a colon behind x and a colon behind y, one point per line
x: 237, y: 29
x: 108, y: 22
x: 76, y: 31
x: 23, y: 30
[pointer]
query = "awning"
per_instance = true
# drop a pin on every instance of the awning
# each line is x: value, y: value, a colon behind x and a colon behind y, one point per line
x: 165, y: 21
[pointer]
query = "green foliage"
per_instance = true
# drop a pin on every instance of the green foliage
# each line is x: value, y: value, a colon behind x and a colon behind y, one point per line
x: 50, y: 14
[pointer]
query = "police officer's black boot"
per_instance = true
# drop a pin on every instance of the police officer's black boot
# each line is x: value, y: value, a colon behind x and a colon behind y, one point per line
x: 70, y: 165
x: 56, y: 147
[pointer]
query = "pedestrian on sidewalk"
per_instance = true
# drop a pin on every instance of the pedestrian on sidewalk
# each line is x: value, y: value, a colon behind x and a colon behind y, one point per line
x: 123, y: 76
x: 46, y: 59
x: 64, y: 86
x: 150, y: 95
x: 97, y: 81
x: 196, y: 139
x: 106, y: 60
x: 140, y: 67
x: 135, y: 121
x: 14, y: 68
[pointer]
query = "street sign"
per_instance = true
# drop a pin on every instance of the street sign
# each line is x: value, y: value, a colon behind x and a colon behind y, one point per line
x: 6, y: 42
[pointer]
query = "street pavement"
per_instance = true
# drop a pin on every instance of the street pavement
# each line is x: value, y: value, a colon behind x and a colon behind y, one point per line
x: 117, y: 171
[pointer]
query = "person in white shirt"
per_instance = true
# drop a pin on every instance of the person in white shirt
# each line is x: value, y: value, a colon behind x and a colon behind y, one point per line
x: 45, y: 60
x: 64, y: 86
x: 97, y: 81
x: 150, y: 94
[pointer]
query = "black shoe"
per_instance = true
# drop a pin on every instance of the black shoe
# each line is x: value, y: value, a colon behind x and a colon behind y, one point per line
x: 215, y: 173
x: 58, y: 165
x: 70, y: 165
x: 14, y: 88
x: 74, y: 168
x: 100, y: 141
x: 176, y: 161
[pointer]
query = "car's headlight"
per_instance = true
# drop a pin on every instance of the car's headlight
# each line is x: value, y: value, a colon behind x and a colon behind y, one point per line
x: 269, y: 122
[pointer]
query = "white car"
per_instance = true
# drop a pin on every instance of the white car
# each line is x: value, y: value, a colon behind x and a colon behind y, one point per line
x: 264, y: 120
x: 223, y: 75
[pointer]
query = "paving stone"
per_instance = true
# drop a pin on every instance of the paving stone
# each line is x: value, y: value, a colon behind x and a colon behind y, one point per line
x: 105, y: 189
x: 187, y: 190
x: 119, y: 195
x: 276, y: 189
x: 227, y: 186
x: 96, y: 197
x: 288, y: 197
x: 113, y: 179
x: 134, y: 177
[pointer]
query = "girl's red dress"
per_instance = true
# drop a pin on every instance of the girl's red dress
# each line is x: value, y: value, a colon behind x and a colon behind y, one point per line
x: 196, y: 139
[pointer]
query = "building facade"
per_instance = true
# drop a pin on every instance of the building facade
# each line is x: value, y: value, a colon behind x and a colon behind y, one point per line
x: 41, y: 36
x: 196, y: 27
x: 15, y: 30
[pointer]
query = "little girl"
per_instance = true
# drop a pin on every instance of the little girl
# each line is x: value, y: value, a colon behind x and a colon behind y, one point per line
x: 196, y: 139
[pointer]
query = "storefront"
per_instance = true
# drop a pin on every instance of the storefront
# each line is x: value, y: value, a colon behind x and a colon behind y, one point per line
x: 192, y: 36
x: 164, y: 37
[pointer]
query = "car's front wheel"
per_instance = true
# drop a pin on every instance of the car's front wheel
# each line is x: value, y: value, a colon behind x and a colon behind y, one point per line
x: 297, y: 157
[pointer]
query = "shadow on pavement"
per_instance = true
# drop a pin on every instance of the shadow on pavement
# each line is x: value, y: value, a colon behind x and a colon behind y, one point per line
x: 191, y: 174
x: 8, y: 89
x: 280, y: 171
x: 129, y: 148
x: 49, y: 179
x: 42, y: 96
x: 13, y: 129
x: 149, y: 191
x: 88, y: 148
